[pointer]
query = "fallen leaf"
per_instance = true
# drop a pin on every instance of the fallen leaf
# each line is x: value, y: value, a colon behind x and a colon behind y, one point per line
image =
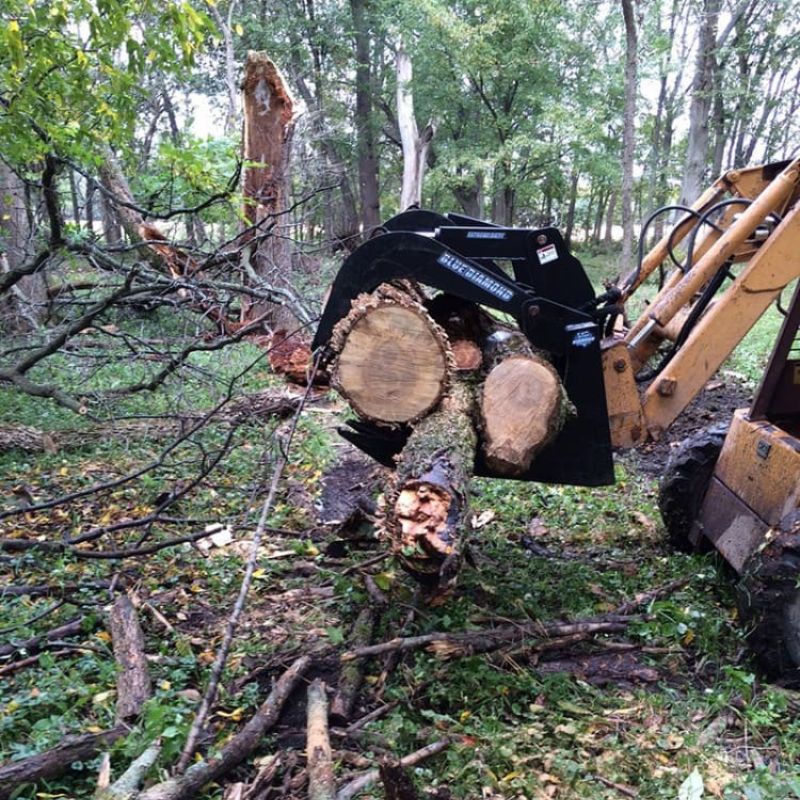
x: 692, y: 787
x: 482, y: 519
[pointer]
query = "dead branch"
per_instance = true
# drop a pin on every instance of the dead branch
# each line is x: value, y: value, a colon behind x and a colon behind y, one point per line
x: 130, y: 780
x: 357, y: 785
x: 654, y: 594
x: 133, y: 680
x: 451, y: 645
x: 188, y: 785
x: 351, y: 675
x: 258, y: 406
x: 54, y: 762
x: 321, y: 785
x: 35, y: 643
x: 233, y: 621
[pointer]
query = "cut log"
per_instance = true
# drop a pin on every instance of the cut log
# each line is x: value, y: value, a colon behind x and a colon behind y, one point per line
x: 394, y: 362
x: 523, y: 408
x: 133, y: 681
x: 427, y: 502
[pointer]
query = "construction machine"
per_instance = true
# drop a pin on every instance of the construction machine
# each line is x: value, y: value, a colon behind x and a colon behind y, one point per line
x: 737, y: 491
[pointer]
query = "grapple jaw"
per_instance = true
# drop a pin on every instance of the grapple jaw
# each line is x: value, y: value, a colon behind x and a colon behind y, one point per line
x: 550, y: 298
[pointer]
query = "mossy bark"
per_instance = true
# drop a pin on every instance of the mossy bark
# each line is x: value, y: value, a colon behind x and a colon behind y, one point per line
x: 427, y: 503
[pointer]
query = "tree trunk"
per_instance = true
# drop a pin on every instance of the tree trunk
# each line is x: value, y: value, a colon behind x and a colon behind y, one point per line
x: 700, y: 108
x: 611, y: 209
x: 569, y: 225
x: 415, y: 146
x: 22, y: 307
x: 427, y: 503
x: 269, y: 120
x: 364, y: 122
x: 629, y: 131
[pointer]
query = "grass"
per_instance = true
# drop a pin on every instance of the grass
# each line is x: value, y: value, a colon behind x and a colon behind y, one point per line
x: 549, y: 553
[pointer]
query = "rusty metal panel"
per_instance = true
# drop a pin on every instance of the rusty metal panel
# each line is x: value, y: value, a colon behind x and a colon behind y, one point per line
x: 735, y: 529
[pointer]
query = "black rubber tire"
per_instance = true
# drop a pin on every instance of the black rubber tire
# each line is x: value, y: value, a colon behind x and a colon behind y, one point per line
x: 768, y: 598
x: 684, y: 485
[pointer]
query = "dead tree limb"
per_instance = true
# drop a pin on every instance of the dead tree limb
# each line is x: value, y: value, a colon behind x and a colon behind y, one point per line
x: 351, y: 674
x: 321, y: 785
x: 188, y: 785
x: 129, y: 782
x: 133, y: 680
x: 452, y: 645
x: 233, y: 621
x: 357, y: 785
x: 35, y: 643
x: 56, y: 761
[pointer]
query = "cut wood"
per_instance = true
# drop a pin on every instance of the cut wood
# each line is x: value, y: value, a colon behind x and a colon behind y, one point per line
x: 133, y: 679
x: 394, y: 362
x: 427, y: 502
x: 523, y: 408
x: 321, y: 785
x: 56, y: 761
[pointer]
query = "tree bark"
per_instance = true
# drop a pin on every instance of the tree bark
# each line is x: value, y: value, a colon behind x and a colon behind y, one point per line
x: 415, y: 146
x: 427, y: 502
x: 133, y: 681
x: 700, y: 108
x: 269, y: 121
x: 629, y: 131
x: 364, y: 122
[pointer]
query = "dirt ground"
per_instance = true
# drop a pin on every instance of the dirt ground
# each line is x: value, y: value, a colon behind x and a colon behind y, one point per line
x: 714, y: 406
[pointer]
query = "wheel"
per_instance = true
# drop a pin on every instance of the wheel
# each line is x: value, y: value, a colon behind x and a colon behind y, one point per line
x: 769, y: 604
x: 686, y: 479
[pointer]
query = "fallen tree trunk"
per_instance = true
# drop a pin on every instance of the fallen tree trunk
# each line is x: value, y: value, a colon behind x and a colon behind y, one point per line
x: 54, y: 762
x: 428, y: 498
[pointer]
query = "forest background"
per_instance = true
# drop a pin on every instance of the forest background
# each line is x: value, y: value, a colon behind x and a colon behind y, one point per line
x: 141, y: 284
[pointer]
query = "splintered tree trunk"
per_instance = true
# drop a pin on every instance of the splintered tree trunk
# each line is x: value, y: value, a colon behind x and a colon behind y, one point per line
x: 427, y: 501
x: 393, y: 362
x: 269, y: 120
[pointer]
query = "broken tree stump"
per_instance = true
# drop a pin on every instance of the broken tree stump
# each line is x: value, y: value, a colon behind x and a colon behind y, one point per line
x: 427, y: 501
x: 523, y: 405
x: 393, y: 361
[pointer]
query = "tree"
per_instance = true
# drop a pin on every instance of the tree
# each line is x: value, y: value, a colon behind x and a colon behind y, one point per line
x: 629, y: 129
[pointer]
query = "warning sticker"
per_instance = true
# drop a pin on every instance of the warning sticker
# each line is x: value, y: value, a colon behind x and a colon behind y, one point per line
x: 547, y: 254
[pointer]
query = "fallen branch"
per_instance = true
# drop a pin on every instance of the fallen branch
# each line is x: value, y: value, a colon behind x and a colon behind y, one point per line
x: 54, y: 762
x: 351, y: 675
x: 237, y: 749
x: 35, y: 643
x: 449, y: 645
x: 130, y: 780
x: 357, y: 785
x: 133, y: 679
x: 321, y: 785
x: 233, y: 621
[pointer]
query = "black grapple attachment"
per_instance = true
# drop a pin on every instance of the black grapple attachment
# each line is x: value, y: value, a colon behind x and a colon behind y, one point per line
x: 549, y: 297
